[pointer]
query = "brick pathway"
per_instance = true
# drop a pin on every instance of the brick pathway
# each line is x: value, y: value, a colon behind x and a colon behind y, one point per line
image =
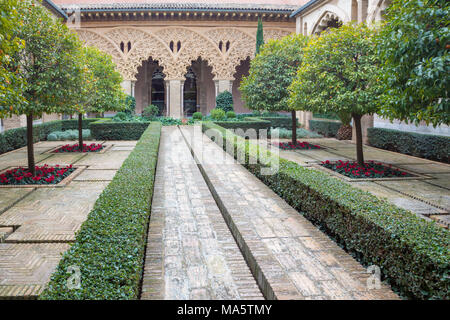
x: 290, y: 258
x: 429, y: 198
x: 37, y: 225
x: 191, y: 254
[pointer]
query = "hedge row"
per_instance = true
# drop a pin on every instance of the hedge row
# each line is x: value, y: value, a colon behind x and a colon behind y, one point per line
x: 110, y: 246
x: 280, y: 122
x: 17, y: 138
x: 412, y: 253
x: 324, y: 127
x: 426, y: 146
x: 106, y: 129
x: 248, y: 123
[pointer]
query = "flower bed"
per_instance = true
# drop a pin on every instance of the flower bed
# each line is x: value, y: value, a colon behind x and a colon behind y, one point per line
x: 93, y: 147
x: 44, y: 175
x: 370, y: 169
x: 298, y: 146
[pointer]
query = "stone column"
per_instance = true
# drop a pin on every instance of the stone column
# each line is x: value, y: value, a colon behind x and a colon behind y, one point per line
x: 366, y: 122
x: 128, y: 86
x: 224, y: 85
x: 174, y: 89
x: 304, y: 117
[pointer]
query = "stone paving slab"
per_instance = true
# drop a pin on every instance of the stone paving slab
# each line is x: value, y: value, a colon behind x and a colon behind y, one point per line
x: 63, y: 159
x: 96, y: 175
x: 440, y: 179
x: 427, y: 168
x: 19, y: 159
x: 8, y: 197
x: 104, y: 161
x: 191, y: 254
x: 25, y: 269
x: 289, y: 257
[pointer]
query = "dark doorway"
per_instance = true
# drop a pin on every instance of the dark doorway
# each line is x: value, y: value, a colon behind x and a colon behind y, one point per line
x: 158, y: 91
x: 190, y: 94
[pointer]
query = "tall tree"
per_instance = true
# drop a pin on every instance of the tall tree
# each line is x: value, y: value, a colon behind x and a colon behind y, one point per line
x: 414, y: 46
x: 259, y: 36
x: 339, y: 74
x: 271, y: 73
x: 46, y: 64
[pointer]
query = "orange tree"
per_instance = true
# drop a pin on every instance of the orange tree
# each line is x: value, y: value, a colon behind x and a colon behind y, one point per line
x: 339, y: 73
x: 49, y: 64
x: 271, y: 73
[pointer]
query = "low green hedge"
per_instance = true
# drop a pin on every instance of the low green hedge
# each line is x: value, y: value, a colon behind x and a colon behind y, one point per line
x: 106, y: 129
x: 426, y: 146
x: 110, y: 246
x: 246, y: 124
x: 17, y: 138
x: 412, y: 253
x: 325, y: 127
x: 280, y: 122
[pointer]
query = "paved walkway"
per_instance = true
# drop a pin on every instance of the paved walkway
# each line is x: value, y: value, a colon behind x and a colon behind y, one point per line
x: 288, y: 256
x: 38, y: 224
x: 429, y: 198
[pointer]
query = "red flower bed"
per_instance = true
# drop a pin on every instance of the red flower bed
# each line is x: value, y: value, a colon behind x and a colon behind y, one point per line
x: 94, y: 147
x: 298, y: 146
x: 370, y: 169
x: 44, y: 175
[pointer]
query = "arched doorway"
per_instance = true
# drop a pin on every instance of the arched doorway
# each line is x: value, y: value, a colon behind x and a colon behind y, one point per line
x: 158, y: 90
x: 190, y: 93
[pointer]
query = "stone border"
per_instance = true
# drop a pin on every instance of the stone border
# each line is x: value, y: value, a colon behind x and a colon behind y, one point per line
x: 416, y: 176
x: 106, y: 147
x: 61, y: 184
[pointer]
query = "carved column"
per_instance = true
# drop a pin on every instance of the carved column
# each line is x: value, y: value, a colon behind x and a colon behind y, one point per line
x: 174, y: 89
x: 128, y: 86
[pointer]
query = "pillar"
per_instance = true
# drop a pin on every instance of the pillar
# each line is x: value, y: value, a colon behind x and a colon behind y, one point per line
x: 128, y: 86
x: 223, y: 85
x: 174, y: 98
x: 366, y: 122
x: 304, y: 117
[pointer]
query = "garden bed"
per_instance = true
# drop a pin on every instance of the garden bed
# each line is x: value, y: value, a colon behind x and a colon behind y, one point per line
x: 93, y: 147
x: 298, y: 146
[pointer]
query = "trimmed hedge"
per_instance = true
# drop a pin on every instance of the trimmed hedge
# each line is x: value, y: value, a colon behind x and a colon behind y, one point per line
x: 426, y: 146
x: 412, y: 253
x: 106, y: 129
x: 110, y: 246
x: 17, y: 138
x: 280, y: 122
x: 247, y: 123
x: 324, y: 127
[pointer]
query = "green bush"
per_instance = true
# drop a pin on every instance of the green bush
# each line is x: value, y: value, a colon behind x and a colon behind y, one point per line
x: 121, y: 116
x: 230, y: 115
x: 248, y: 123
x: 330, y: 116
x: 68, y: 135
x: 280, y: 122
x: 218, y: 114
x: 410, y: 251
x: 197, y: 116
x: 130, y: 103
x: 426, y: 146
x: 224, y: 101
x: 107, y: 129
x: 150, y: 112
x: 326, y: 128
x: 110, y: 246
x: 283, y: 133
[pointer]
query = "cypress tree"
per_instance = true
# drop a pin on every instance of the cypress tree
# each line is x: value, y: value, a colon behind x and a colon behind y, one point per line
x: 259, y: 36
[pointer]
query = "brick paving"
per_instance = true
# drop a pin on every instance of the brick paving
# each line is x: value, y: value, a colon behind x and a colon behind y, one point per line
x: 37, y: 225
x: 290, y: 258
x: 191, y: 253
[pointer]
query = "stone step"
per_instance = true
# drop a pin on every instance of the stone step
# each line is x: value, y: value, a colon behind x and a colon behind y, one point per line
x: 288, y: 256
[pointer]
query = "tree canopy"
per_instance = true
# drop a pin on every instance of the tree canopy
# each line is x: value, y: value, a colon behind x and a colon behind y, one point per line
x: 414, y: 46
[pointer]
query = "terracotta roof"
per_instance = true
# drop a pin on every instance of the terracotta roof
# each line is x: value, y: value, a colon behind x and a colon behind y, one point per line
x: 285, y: 6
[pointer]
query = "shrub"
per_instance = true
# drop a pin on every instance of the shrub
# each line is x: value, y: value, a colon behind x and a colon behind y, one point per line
x: 280, y: 121
x: 150, y: 112
x: 218, y: 114
x: 426, y: 146
x: 230, y: 115
x: 130, y: 103
x: 247, y: 124
x: 283, y: 133
x: 108, y: 130
x: 110, y: 246
x: 197, y: 116
x: 68, y: 135
x: 326, y: 128
x: 120, y: 116
x: 412, y: 252
x: 224, y: 101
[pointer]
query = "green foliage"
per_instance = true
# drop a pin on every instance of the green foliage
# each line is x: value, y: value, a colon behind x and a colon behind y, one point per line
x: 284, y: 133
x: 324, y: 127
x: 259, y: 36
x: 426, y: 146
x: 411, y: 252
x: 110, y: 246
x: 197, y: 116
x: 130, y: 104
x: 271, y: 73
x: 224, y: 101
x: 150, y: 112
x: 330, y: 116
x: 245, y: 124
x: 218, y: 114
x: 68, y: 135
x: 106, y: 129
x: 279, y: 122
x: 230, y: 114
x: 414, y: 48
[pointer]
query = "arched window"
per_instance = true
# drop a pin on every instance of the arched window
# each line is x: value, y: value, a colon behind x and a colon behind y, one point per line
x: 228, y: 45
x: 178, y: 46
x: 122, y: 47
x: 129, y: 46
x: 171, y: 46
x: 221, y: 46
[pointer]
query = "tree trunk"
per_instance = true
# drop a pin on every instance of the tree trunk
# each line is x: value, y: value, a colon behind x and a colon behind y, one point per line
x: 294, y: 127
x: 30, y: 145
x: 80, y: 132
x: 359, y: 144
